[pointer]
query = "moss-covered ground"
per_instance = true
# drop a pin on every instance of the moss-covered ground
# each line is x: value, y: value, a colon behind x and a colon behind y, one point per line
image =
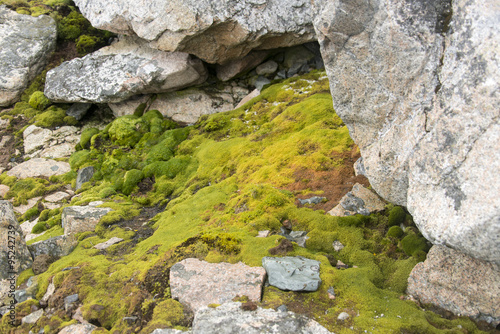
x: 205, y: 191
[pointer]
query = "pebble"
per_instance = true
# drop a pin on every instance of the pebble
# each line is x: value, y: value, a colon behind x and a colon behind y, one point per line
x: 343, y: 316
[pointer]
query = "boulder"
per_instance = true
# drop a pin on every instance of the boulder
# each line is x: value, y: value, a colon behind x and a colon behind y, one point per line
x: 120, y: 71
x: 45, y: 143
x: 215, y: 31
x: 231, y: 318
x: 416, y: 83
x: 77, y: 219
x: 198, y: 283
x: 292, y: 273
x: 237, y: 66
x: 269, y: 67
x: 458, y: 283
x: 78, y: 329
x: 27, y: 42
x: 359, y: 200
x: 58, y: 246
x: 38, y: 167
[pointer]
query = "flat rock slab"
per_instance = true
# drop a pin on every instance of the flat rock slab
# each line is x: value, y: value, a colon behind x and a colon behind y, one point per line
x: 230, y: 318
x: 39, y: 167
x: 292, y: 273
x: 199, y: 283
x: 45, y: 143
x: 25, y: 207
x: 458, y: 283
x: 120, y: 71
x: 26, y: 43
x: 110, y: 242
x: 77, y: 219
x: 58, y: 246
x: 57, y: 197
x: 78, y: 329
x: 32, y: 317
x: 360, y: 200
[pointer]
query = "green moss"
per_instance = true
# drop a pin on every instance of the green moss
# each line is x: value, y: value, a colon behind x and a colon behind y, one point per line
x: 86, y: 44
x: 413, y: 243
x: 397, y: 216
x: 125, y: 131
x: 30, y: 213
x: 24, y: 276
x: 132, y: 178
x: 54, y: 116
x: 70, y: 120
x: 86, y: 136
x: 395, y: 232
x: 39, y: 101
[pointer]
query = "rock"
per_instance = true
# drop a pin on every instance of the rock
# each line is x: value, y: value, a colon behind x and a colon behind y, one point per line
x: 359, y: 200
x: 211, y: 30
x: 130, y: 320
x: 261, y: 82
x: 337, y: 246
x: 169, y: 331
x: 263, y: 234
x: 35, y: 137
x: 292, y: 273
x: 341, y: 265
x: 331, y: 292
x: 58, y: 246
x: 50, y: 291
x: 230, y: 318
x: 298, y: 237
x: 312, y: 200
x: 189, y: 105
x: 27, y: 226
x: 128, y: 107
x: 247, y: 98
x: 359, y: 168
x: 40, y: 142
x: 198, y: 283
x: 78, y: 329
x: 3, y: 190
x: 282, y: 308
x: 42, y: 262
x: 343, y: 316
x: 78, y: 110
x: 57, y: 197
x: 84, y: 175
x: 77, y: 219
x: 27, y: 42
x: 458, y: 283
x: 70, y: 302
x: 416, y: 85
x: 32, y: 318
x: 21, y: 209
x: 110, y: 242
x: 238, y: 66
x: 269, y: 67
x: 120, y: 71
x: 39, y: 167
x: 12, y: 235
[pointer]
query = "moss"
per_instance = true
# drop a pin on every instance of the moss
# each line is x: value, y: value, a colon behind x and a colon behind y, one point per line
x: 39, y: 101
x: 125, y: 131
x: 397, y: 216
x: 24, y: 276
x: 52, y: 117
x: 86, y: 136
x: 80, y: 159
x: 395, y: 232
x: 30, y: 213
x: 132, y: 178
x: 86, y: 44
x: 413, y: 243
x: 70, y: 120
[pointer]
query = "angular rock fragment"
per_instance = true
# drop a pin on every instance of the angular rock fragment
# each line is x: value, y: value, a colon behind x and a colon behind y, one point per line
x: 359, y: 200
x: 84, y: 175
x: 39, y: 167
x: 76, y: 219
x: 292, y: 273
x: 57, y: 246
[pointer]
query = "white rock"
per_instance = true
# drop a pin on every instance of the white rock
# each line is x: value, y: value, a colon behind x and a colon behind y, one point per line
x: 39, y: 167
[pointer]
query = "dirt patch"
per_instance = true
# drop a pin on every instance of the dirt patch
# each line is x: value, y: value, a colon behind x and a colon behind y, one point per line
x: 332, y: 184
x: 284, y: 247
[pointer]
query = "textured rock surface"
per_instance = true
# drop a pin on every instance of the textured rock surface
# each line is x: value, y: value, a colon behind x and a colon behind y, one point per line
x: 458, y: 283
x: 32, y: 317
x: 45, y: 143
x: 199, y: 283
x: 359, y: 200
x: 292, y: 273
x: 110, y: 242
x: 84, y: 175
x: 215, y: 31
x: 229, y: 318
x: 58, y: 246
x: 78, y: 329
x: 76, y: 219
x: 120, y: 71
x: 237, y: 66
x: 26, y: 44
x: 39, y: 167
x: 417, y: 85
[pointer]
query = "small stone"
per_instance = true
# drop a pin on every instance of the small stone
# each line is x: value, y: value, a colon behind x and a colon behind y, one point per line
x: 343, y: 316
x: 341, y: 265
x: 50, y: 291
x: 84, y: 175
x: 78, y: 329
x: 287, y: 224
x: 292, y: 273
x: 312, y: 200
x: 268, y: 67
x: 263, y: 234
x: 261, y: 82
x: 130, y: 320
x: 81, y: 218
x: 39, y: 167
x: 57, y: 197
x: 331, y: 292
x: 32, y: 318
x: 70, y: 302
x: 337, y: 246
x: 247, y: 98
x: 282, y: 308
x: 106, y: 244
x: 3, y: 190
x: 78, y: 110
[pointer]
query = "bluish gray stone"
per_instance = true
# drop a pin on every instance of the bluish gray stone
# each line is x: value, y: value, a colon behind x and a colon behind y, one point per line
x: 78, y: 110
x: 292, y: 273
x: 312, y: 200
x: 84, y: 175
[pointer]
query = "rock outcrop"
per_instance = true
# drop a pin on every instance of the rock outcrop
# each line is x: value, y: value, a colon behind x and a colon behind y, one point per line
x: 117, y: 72
x: 458, y: 283
x: 417, y: 85
x: 27, y: 42
x: 214, y: 31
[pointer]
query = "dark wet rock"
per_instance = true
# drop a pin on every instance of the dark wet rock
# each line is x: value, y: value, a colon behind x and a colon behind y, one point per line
x: 78, y: 110
x: 292, y: 273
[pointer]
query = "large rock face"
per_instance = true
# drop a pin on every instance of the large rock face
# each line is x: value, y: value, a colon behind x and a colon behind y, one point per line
x: 416, y: 82
x: 26, y: 44
x: 124, y: 69
x: 215, y: 31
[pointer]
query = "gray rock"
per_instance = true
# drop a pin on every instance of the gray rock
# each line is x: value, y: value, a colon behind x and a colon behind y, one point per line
x: 240, y: 65
x: 78, y: 110
x: 282, y: 308
x: 58, y: 246
x: 39, y: 167
x: 269, y: 67
x: 229, y: 318
x: 50, y: 291
x: 170, y: 331
x: 130, y: 320
x: 215, y: 31
x: 263, y: 234
x: 417, y: 86
x: 128, y: 107
x: 458, y: 283
x: 359, y: 200
x: 343, y: 316
x: 120, y: 71
x: 27, y: 42
x: 198, y: 283
x: 337, y: 246
x: 292, y: 273
x: 331, y: 292
x: 78, y: 329
x: 57, y: 197
x: 84, y: 175
x: 110, y: 242
x: 77, y: 219
x: 45, y: 143
x: 312, y: 200
x: 22, y: 295
x: 32, y: 318
x: 70, y: 302
x: 359, y: 168
x: 247, y: 98
x: 261, y: 82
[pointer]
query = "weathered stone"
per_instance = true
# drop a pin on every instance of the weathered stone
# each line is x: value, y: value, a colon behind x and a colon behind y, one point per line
x: 33, y: 317
x: 230, y: 318
x: 110, y: 242
x: 359, y: 168
x: 238, y: 66
x: 247, y: 98
x: 337, y: 246
x: 199, y: 283
x: 359, y: 200
x: 292, y: 273
x: 261, y: 82
x: 70, y: 302
x: 76, y: 219
x: 78, y: 110
x: 57, y: 197
x: 458, y: 283
x: 128, y: 107
x: 42, y: 262
x: 416, y: 84
x: 12, y: 235
x: 214, y: 31
x: 269, y: 67
x: 263, y: 234
x: 21, y: 209
x: 50, y: 291
x: 58, y: 246
x: 84, y: 175
x: 312, y: 200
x: 26, y: 44
x: 170, y: 331
x: 78, y: 329
x: 120, y: 71
x: 3, y: 190
x: 189, y: 105
x: 40, y: 142
x: 343, y: 316
x: 39, y: 167
x: 27, y: 226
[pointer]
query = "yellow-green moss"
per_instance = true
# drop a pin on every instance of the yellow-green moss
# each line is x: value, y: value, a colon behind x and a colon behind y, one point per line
x: 38, y: 101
